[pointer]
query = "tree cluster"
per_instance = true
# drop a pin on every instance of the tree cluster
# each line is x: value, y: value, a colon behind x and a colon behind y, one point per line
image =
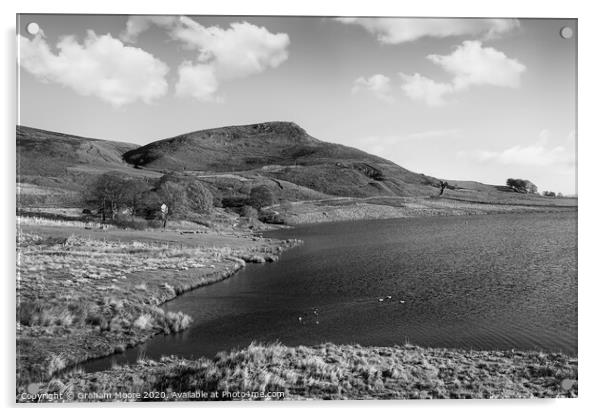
x: 552, y: 194
x: 114, y: 193
x: 261, y: 196
x: 522, y: 185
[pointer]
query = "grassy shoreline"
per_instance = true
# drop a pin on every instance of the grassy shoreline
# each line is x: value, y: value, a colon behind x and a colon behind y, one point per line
x: 84, y: 294
x: 278, y: 372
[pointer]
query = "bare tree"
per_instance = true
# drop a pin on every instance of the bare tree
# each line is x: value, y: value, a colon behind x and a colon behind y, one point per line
x: 442, y: 185
x: 109, y: 191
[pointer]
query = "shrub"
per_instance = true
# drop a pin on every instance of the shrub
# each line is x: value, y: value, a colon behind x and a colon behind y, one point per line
x: 261, y: 196
x: 149, y: 205
x: 233, y: 201
x: 248, y: 212
x: 270, y: 217
x: 199, y: 199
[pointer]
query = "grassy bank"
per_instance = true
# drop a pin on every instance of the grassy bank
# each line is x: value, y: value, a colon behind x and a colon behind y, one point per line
x: 327, y: 372
x: 355, y: 209
x: 87, y: 293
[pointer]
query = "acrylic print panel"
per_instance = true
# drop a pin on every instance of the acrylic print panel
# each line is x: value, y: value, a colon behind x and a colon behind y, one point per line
x: 294, y: 208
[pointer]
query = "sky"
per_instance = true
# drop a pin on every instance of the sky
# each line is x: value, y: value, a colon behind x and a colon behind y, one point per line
x: 460, y: 99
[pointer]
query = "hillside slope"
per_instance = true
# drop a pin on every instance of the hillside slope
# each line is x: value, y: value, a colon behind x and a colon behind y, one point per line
x: 239, y: 148
x: 64, y: 161
x: 42, y: 152
x: 282, y: 151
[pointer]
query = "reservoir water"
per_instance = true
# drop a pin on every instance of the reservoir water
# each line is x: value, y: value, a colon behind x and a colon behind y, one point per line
x: 481, y: 282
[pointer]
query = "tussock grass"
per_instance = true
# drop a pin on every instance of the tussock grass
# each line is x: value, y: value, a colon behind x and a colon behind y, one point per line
x: 80, y: 297
x: 348, y: 372
x: 177, y: 321
x: 144, y: 321
x: 85, y: 258
x: 27, y: 220
x: 56, y: 363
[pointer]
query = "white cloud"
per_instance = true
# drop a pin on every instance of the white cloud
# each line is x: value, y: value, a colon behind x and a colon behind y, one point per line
x: 139, y: 24
x: 101, y: 66
x: 425, y: 89
x: 539, y: 154
x: 377, y: 84
x: 390, y: 30
x: 197, y: 81
x: 473, y: 64
x: 470, y: 64
x: 239, y: 51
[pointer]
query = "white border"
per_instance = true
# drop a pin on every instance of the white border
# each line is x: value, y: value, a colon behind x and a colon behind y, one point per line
x: 589, y: 177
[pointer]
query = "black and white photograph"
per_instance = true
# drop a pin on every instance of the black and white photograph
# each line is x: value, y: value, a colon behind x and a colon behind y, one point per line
x: 291, y: 208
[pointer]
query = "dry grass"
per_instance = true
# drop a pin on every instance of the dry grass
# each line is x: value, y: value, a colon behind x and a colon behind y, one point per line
x: 82, y: 297
x: 354, y: 209
x: 344, y: 372
x: 80, y: 258
x: 33, y: 220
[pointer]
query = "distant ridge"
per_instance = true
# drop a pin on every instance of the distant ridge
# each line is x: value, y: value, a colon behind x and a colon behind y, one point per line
x: 47, y: 153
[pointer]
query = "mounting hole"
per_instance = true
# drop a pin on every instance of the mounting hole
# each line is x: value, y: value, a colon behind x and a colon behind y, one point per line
x: 566, y: 32
x: 33, y: 28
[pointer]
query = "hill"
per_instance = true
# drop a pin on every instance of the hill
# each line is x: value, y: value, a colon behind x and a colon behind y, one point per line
x: 53, y: 168
x: 41, y: 152
x: 282, y: 151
